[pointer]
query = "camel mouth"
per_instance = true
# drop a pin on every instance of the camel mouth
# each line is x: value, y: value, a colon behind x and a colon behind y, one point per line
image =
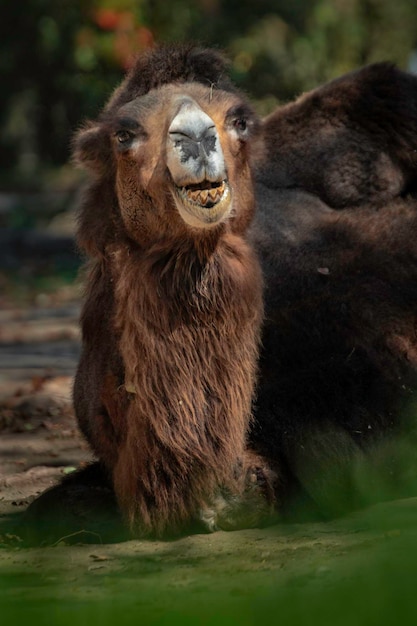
x: 206, y: 194
x: 206, y: 203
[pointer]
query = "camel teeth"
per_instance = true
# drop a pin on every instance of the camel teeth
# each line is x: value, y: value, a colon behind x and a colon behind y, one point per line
x: 213, y: 193
x: 193, y: 195
x: 203, y: 196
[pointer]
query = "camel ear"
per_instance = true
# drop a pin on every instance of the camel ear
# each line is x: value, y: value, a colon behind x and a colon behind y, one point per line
x: 91, y: 148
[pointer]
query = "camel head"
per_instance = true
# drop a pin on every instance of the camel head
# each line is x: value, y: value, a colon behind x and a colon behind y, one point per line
x: 177, y: 157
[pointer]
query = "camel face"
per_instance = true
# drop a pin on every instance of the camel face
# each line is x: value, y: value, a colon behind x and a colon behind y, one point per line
x: 181, y: 150
x: 196, y: 163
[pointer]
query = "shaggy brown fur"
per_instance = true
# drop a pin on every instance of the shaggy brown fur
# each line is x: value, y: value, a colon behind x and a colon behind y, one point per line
x: 336, y: 234
x: 171, y: 322
x: 349, y: 142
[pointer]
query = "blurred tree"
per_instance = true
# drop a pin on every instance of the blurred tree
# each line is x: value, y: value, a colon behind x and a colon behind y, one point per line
x: 280, y: 48
x: 60, y: 60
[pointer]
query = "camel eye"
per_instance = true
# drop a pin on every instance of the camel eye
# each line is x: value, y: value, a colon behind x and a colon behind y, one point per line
x: 126, y: 131
x: 240, y: 119
x: 124, y: 136
x: 240, y: 124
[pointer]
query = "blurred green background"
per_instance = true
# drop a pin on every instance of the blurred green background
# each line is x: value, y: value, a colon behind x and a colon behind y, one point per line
x: 59, y: 60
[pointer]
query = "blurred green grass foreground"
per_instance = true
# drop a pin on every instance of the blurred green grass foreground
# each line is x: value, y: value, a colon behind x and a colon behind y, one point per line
x: 360, y: 570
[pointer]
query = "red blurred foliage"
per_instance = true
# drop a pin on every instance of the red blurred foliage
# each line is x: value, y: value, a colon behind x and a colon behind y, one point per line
x: 107, y: 19
x: 129, y: 37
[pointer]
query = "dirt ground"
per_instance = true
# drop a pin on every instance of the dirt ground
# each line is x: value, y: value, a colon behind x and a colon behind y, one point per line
x: 39, y: 441
x: 361, y: 569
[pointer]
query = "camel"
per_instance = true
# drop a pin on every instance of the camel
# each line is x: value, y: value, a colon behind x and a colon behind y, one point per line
x: 240, y: 364
x: 173, y: 308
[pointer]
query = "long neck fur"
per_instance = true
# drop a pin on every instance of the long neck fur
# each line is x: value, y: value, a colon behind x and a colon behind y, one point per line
x: 188, y: 319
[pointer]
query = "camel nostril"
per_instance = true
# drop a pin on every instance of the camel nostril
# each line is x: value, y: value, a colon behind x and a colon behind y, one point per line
x: 194, y: 133
x: 195, y: 148
x: 191, y: 123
